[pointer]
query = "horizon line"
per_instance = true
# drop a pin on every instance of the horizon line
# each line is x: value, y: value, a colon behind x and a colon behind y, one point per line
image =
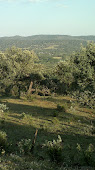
x: 45, y: 35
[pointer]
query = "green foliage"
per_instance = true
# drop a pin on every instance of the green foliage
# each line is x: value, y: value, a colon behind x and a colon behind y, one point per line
x: 54, y: 149
x: 65, y: 155
x: 23, y: 115
x: 25, y: 146
x: 30, y: 97
x: 47, y: 46
x: 75, y: 76
x: 3, y: 141
x: 64, y: 72
x: 61, y: 108
x: 16, y: 67
x: 55, y: 113
x: 3, y: 107
x: 84, y: 75
x: 78, y: 75
x: 26, y: 117
x: 86, y: 98
x: 85, y: 157
x: 55, y: 120
x: 85, y: 63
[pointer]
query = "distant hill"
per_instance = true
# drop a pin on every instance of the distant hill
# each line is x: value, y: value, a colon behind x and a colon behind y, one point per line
x: 25, y: 42
x: 49, y: 48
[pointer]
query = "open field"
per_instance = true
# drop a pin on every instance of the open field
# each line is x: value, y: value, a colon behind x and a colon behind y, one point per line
x: 75, y: 125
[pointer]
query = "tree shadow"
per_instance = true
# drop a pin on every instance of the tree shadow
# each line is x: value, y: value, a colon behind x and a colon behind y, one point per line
x: 16, y: 132
x: 45, y: 113
x: 57, y: 100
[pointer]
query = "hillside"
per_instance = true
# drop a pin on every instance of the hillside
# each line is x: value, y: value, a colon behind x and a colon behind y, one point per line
x: 73, y: 123
x: 47, y: 116
x: 49, y: 48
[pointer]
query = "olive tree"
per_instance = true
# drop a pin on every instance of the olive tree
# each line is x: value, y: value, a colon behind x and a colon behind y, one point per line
x: 64, y: 73
x: 16, y: 66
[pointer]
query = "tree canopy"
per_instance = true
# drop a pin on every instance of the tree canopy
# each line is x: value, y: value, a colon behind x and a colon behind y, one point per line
x: 17, y: 64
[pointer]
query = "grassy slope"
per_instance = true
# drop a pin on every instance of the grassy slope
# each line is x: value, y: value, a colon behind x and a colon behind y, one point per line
x: 74, y: 126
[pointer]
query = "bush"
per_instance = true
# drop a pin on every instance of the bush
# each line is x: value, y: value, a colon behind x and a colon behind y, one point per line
x: 3, y: 107
x: 25, y: 146
x: 54, y: 149
x: 86, y: 157
x: 3, y: 140
x: 55, y: 120
x: 23, y: 115
x: 60, y: 108
x: 55, y: 113
x: 86, y: 98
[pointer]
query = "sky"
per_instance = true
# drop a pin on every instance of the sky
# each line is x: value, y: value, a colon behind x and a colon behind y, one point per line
x: 34, y: 17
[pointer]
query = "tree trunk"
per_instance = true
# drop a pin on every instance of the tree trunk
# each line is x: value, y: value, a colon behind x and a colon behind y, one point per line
x: 30, y: 88
x: 18, y: 92
x: 33, y: 143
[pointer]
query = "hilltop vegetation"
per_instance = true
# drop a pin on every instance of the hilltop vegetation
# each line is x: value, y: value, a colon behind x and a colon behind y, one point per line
x: 56, y: 100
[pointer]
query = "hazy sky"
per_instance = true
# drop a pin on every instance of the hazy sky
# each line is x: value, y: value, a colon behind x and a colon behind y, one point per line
x: 33, y: 17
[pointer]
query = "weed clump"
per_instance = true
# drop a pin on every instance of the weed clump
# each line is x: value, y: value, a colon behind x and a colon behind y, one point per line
x: 61, y: 108
x: 86, y: 157
x: 55, y: 113
x: 23, y: 115
x: 54, y: 149
x: 3, y: 107
x: 24, y: 146
x: 3, y: 141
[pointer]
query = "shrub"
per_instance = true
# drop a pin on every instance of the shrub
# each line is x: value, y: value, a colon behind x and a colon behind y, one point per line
x: 86, y: 98
x: 25, y: 146
x: 3, y: 141
x: 3, y: 107
x: 90, y: 155
x: 86, y: 157
x: 60, y: 108
x: 26, y: 117
x: 54, y: 149
x: 55, y: 113
x: 55, y: 120
x: 23, y: 115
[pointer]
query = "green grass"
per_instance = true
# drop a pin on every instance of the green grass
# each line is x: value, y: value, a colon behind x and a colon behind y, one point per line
x: 75, y: 125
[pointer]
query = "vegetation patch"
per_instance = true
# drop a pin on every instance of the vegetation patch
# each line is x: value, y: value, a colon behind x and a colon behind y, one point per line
x: 40, y: 103
x: 73, y: 147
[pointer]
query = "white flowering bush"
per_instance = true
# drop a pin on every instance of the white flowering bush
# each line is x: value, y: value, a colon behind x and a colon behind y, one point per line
x: 85, y: 156
x: 3, y: 107
x: 54, y: 149
x: 25, y: 146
